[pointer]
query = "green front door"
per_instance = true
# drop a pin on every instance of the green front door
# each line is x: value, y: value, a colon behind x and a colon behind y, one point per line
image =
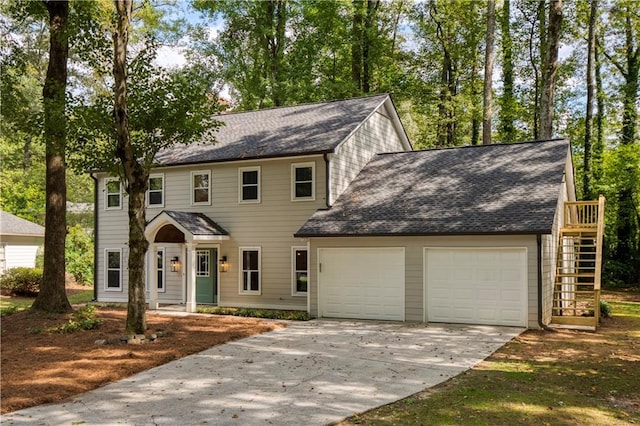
x: 206, y: 276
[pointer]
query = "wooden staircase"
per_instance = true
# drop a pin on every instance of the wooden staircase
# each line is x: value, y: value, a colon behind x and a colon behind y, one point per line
x: 576, y: 293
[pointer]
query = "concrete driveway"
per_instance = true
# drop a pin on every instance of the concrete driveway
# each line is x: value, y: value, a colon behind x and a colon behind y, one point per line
x: 310, y: 373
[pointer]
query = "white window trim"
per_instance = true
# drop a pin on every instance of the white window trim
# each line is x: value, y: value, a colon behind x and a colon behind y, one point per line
x: 294, y: 166
x: 154, y: 176
x: 164, y: 269
x: 240, y: 184
x: 106, y: 269
x: 294, y: 292
x: 107, y: 193
x: 193, y: 188
x: 241, y: 271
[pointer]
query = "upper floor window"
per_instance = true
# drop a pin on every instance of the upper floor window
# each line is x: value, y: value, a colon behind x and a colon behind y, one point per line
x: 113, y: 194
x: 302, y: 181
x: 201, y: 187
x: 113, y: 267
x: 155, y: 194
x: 300, y: 270
x: 250, y: 273
x: 249, y: 184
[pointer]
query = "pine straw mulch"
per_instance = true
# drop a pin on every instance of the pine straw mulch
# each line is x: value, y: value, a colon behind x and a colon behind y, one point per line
x: 40, y: 368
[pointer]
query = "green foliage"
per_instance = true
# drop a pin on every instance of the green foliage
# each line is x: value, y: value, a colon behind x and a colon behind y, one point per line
x: 257, y: 313
x: 23, y: 282
x: 605, y: 309
x: 79, y: 255
x: 82, y: 319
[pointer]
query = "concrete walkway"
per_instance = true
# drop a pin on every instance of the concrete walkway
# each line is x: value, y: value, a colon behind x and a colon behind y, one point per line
x: 310, y: 373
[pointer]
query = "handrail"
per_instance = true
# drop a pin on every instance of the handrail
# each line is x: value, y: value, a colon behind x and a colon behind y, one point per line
x: 581, y: 214
x: 599, y: 238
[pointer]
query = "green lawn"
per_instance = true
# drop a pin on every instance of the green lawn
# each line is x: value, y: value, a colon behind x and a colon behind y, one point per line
x: 562, y: 378
x: 17, y: 304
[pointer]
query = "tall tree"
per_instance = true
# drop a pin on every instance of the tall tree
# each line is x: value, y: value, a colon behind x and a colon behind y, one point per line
x: 489, y: 57
x: 508, y: 104
x: 52, y: 296
x: 550, y: 69
x: 591, y: 94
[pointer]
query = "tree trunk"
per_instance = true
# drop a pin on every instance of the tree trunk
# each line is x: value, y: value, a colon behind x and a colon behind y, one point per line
x: 549, y: 69
x: 136, y: 178
x: 489, y: 57
x: 598, y: 145
x: 508, y: 103
x: 591, y: 88
x: 275, y: 19
x: 356, y: 46
x: 368, y: 35
x: 52, y: 296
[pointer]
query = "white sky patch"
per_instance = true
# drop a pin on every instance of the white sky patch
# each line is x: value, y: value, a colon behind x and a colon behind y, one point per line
x: 171, y: 57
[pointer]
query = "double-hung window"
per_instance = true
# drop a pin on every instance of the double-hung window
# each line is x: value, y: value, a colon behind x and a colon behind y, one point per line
x: 113, y: 268
x: 300, y: 270
x: 250, y: 272
x: 302, y: 182
x: 249, y: 191
x: 155, y: 194
x: 160, y: 268
x: 201, y: 187
x: 113, y: 194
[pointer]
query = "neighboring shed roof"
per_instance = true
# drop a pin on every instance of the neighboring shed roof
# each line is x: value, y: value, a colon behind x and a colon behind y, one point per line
x: 13, y: 225
x: 486, y: 189
x: 196, y: 223
x: 277, y: 132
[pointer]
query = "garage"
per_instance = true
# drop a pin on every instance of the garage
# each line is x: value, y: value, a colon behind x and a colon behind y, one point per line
x: 476, y: 285
x: 361, y: 283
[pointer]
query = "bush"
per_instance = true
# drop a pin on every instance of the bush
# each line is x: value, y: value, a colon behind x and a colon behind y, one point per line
x: 257, y: 313
x: 605, y: 309
x: 24, y: 282
x: 79, y: 255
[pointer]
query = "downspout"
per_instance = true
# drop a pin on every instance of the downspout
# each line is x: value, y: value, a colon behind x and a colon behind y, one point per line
x: 540, y: 323
x: 95, y: 237
x: 327, y: 179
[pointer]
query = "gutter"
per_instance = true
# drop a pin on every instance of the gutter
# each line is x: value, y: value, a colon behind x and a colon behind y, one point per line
x: 327, y: 179
x: 540, y: 323
x: 95, y: 237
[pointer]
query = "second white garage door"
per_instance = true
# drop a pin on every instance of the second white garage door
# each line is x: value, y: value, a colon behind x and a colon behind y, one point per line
x: 476, y: 286
x: 361, y: 283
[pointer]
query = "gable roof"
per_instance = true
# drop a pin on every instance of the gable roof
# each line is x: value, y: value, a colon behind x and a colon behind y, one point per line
x: 277, y: 132
x: 13, y: 225
x: 194, y: 226
x: 486, y: 189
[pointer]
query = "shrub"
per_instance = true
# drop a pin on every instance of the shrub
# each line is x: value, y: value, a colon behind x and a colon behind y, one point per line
x: 258, y: 313
x: 605, y: 309
x: 82, y: 319
x: 79, y: 255
x: 24, y: 282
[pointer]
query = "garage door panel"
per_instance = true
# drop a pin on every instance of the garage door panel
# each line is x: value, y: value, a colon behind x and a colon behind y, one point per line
x: 362, y: 283
x: 476, y: 285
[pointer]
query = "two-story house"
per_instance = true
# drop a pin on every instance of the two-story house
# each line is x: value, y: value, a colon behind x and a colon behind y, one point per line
x: 326, y: 208
x: 222, y: 216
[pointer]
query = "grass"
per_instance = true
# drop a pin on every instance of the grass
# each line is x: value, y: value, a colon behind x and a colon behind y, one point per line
x: 12, y: 305
x: 562, y: 378
x: 256, y: 313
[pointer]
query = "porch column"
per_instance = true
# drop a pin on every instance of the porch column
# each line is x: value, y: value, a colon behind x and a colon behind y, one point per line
x: 190, y: 269
x: 152, y: 270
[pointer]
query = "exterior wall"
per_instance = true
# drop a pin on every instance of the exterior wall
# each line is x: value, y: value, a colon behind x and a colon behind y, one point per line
x: 414, y: 264
x: 376, y: 135
x: 19, y: 251
x: 269, y: 225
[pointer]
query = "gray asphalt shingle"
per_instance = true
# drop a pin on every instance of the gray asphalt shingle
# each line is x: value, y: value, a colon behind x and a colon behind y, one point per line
x: 487, y: 189
x: 277, y: 132
x: 13, y: 225
x: 196, y: 223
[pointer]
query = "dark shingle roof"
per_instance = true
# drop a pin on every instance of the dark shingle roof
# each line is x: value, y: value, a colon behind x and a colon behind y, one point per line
x: 196, y: 223
x: 13, y: 225
x: 488, y: 189
x: 277, y: 132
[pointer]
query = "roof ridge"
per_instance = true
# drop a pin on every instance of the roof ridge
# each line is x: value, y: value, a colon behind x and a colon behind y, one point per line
x: 445, y: 148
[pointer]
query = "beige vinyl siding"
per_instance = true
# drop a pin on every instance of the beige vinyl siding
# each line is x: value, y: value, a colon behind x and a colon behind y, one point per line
x: 375, y: 136
x: 174, y: 284
x: 269, y: 224
x: 414, y: 267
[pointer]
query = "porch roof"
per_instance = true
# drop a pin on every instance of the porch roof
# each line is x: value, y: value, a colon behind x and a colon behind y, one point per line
x: 196, y: 227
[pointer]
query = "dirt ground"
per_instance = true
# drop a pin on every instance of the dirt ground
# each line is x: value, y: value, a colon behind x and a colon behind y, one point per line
x: 44, y: 368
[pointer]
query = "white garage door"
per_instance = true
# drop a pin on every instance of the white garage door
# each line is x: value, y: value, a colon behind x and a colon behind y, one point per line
x: 476, y: 286
x: 361, y: 283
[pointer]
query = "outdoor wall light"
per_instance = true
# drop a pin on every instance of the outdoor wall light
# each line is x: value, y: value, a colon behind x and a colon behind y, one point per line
x: 224, y: 265
x: 175, y: 264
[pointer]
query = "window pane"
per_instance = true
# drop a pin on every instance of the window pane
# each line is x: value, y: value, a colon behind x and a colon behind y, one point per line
x: 250, y: 177
x: 250, y: 260
x: 113, y: 279
x: 201, y: 181
x: 255, y: 280
x: 250, y: 193
x: 301, y: 260
x: 160, y: 282
x: 155, y: 198
x: 304, y: 173
x: 155, y: 184
x: 113, y: 200
x: 113, y: 187
x: 113, y: 261
x: 201, y: 195
x: 303, y: 190
x: 301, y: 282
x: 159, y: 258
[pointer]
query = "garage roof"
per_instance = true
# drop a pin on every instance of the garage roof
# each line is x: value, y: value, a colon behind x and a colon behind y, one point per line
x: 486, y: 189
x: 277, y: 132
x: 13, y: 225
